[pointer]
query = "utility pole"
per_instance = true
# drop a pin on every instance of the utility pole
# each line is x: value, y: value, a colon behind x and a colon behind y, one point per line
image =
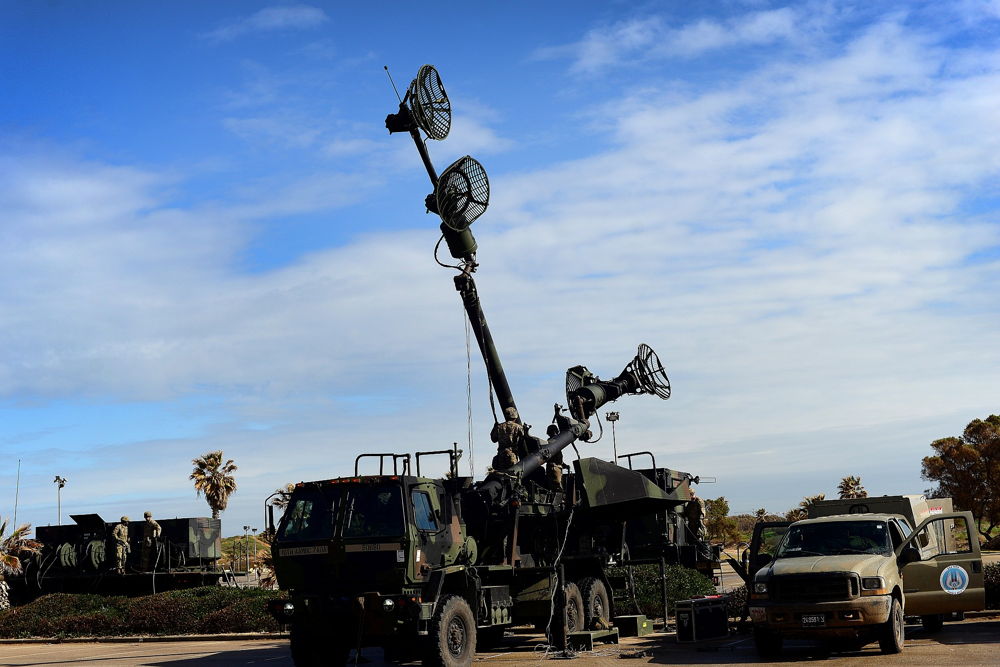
x: 60, y: 482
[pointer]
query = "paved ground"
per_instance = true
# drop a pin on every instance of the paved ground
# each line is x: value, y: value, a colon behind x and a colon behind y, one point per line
x: 972, y: 642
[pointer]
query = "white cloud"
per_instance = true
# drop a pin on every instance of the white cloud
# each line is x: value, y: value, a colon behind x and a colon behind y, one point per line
x: 644, y: 39
x: 269, y: 19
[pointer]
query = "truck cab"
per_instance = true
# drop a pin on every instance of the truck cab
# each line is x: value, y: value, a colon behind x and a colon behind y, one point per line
x: 852, y: 577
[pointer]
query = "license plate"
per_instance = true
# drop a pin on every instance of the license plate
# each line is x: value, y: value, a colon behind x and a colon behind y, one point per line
x: 813, y: 620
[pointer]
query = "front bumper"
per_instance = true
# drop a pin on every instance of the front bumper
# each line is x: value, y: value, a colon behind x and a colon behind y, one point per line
x: 839, y: 618
x: 380, y: 616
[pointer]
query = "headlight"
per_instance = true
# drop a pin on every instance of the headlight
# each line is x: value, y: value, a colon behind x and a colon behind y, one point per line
x: 872, y: 583
x: 388, y: 604
x: 288, y: 608
x: 760, y: 587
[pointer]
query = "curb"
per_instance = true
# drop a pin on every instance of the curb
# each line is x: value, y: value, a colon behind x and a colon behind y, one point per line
x: 138, y: 639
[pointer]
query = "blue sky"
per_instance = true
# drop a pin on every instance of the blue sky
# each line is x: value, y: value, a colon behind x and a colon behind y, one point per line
x: 210, y: 241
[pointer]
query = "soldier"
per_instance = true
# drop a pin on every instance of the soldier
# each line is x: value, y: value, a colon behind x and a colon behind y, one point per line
x: 694, y: 512
x: 508, y: 436
x: 150, y: 534
x: 120, y: 536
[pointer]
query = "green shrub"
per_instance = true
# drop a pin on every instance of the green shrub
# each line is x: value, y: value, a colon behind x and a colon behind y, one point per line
x: 682, y: 584
x: 209, y: 609
x: 992, y: 576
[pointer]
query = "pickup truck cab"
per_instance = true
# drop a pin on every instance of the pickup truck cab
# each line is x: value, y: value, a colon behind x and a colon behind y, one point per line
x: 852, y: 577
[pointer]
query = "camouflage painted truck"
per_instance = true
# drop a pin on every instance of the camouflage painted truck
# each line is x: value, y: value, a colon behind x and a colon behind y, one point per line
x: 853, y: 576
x: 430, y: 566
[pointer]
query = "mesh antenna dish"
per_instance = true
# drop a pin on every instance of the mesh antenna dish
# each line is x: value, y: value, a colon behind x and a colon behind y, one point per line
x: 649, y: 373
x: 429, y: 103
x: 463, y: 193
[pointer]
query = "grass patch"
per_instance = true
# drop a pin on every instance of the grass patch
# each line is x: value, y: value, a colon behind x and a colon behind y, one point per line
x: 208, y: 610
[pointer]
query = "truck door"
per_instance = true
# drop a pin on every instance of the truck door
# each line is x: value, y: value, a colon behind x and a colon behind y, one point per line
x: 946, y: 572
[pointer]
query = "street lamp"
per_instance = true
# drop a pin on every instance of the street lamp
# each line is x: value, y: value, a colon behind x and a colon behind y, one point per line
x: 246, y: 547
x: 256, y: 572
x: 613, y: 417
x: 60, y: 482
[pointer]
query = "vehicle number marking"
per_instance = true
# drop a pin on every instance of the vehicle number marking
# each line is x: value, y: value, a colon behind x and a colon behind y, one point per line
x: 813, y: 620
x: 385, y: 546
x: 305, y: 551
x: 954, y: 580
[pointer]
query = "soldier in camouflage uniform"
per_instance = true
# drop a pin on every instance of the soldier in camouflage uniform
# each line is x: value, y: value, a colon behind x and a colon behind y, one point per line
x: 120, y: 536
x: 694, y: 512
x: 508, y: 436
x: 150, y: 534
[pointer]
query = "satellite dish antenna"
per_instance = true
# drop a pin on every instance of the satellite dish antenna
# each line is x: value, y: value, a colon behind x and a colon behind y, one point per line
x: 429, y: 103
x: 585, y: 392
x: 462, y: 193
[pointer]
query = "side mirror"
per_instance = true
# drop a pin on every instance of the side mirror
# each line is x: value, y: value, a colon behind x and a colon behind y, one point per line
x: 759, y: 561
x: 910, y: 554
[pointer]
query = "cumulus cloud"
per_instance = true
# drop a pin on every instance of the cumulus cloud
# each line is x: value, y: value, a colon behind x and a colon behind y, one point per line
x: 270, y: 19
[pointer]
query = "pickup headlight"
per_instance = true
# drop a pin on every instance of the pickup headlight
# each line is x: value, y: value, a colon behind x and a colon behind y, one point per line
x: 872, y: 583
x: 760, y: 587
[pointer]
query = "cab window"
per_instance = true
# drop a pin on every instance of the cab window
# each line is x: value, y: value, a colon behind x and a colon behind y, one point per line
x: 423, y: 512
x: 310, y: 516
x: 950, y: 535
x: 373, y: 511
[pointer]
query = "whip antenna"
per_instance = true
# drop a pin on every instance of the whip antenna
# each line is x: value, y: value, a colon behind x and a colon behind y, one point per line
x: 392, y: 83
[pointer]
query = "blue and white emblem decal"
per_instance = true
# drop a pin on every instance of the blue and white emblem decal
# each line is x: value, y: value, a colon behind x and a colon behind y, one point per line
x: 954, y: 580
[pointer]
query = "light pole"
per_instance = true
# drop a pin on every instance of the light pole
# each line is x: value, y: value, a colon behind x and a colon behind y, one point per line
x: 256, y: 572
x: 613, y: 417
x: 246, y: 547
x: 60, y: 482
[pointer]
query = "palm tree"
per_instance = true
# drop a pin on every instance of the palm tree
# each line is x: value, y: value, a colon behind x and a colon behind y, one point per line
x: 215, y: 479
x: 802, y: 511
x: 13, y: 548
x: 850, y: 487
x: 282, y: 496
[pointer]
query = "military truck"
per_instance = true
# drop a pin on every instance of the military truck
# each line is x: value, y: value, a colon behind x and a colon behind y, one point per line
x: 433, y: 566
x: 852, y: 577
x: 79, y: 558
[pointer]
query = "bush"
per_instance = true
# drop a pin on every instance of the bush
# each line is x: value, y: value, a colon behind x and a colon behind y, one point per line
x: 682, y: 584
x: 991, y: 573
x: 209, y: 609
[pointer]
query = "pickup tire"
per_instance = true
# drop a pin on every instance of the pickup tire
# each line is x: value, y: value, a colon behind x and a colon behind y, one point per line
x: 932, y: 623
x: 890, y: 636
x: 452, y: 634
x: 596, y: 604
x: 767, y: 642
x: 312, y: 648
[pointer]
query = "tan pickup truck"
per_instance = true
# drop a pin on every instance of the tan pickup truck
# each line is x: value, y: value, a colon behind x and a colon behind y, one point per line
x: 851, y: 578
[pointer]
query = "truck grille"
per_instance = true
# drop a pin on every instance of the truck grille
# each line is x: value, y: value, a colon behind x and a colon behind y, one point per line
x: 827, y: 587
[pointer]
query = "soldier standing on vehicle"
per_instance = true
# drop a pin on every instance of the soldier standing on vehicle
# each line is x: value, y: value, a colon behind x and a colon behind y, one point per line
x: 694, y: 512
x: 150, y: 534
x: 508, y: 436
x: 120, y: 536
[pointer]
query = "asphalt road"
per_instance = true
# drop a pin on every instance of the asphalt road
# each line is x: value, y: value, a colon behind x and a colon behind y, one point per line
x: 971, y: 642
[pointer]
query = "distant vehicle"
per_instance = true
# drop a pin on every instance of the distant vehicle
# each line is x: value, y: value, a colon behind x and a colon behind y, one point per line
x: 78, y: 558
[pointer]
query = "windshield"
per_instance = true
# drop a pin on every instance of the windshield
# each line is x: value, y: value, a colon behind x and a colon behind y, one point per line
x: 373, y: 511
x: 310, y: 515
x: 834, y: 538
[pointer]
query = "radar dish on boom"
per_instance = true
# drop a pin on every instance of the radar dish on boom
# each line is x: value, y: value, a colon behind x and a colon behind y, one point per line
x: 429, y: 103
x: 462, y: 193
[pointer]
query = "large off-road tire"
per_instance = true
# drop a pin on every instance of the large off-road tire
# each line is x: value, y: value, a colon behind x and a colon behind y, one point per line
x: 932, y: 623
x: 313, y: 648
x: 452, y: 634
x: 572, y: 614
x: 890, y: 636
x: 767, y: 643
x: 596, y: 604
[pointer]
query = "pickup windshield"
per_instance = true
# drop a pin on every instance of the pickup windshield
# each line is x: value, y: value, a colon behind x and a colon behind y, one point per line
x: 835, y: 538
